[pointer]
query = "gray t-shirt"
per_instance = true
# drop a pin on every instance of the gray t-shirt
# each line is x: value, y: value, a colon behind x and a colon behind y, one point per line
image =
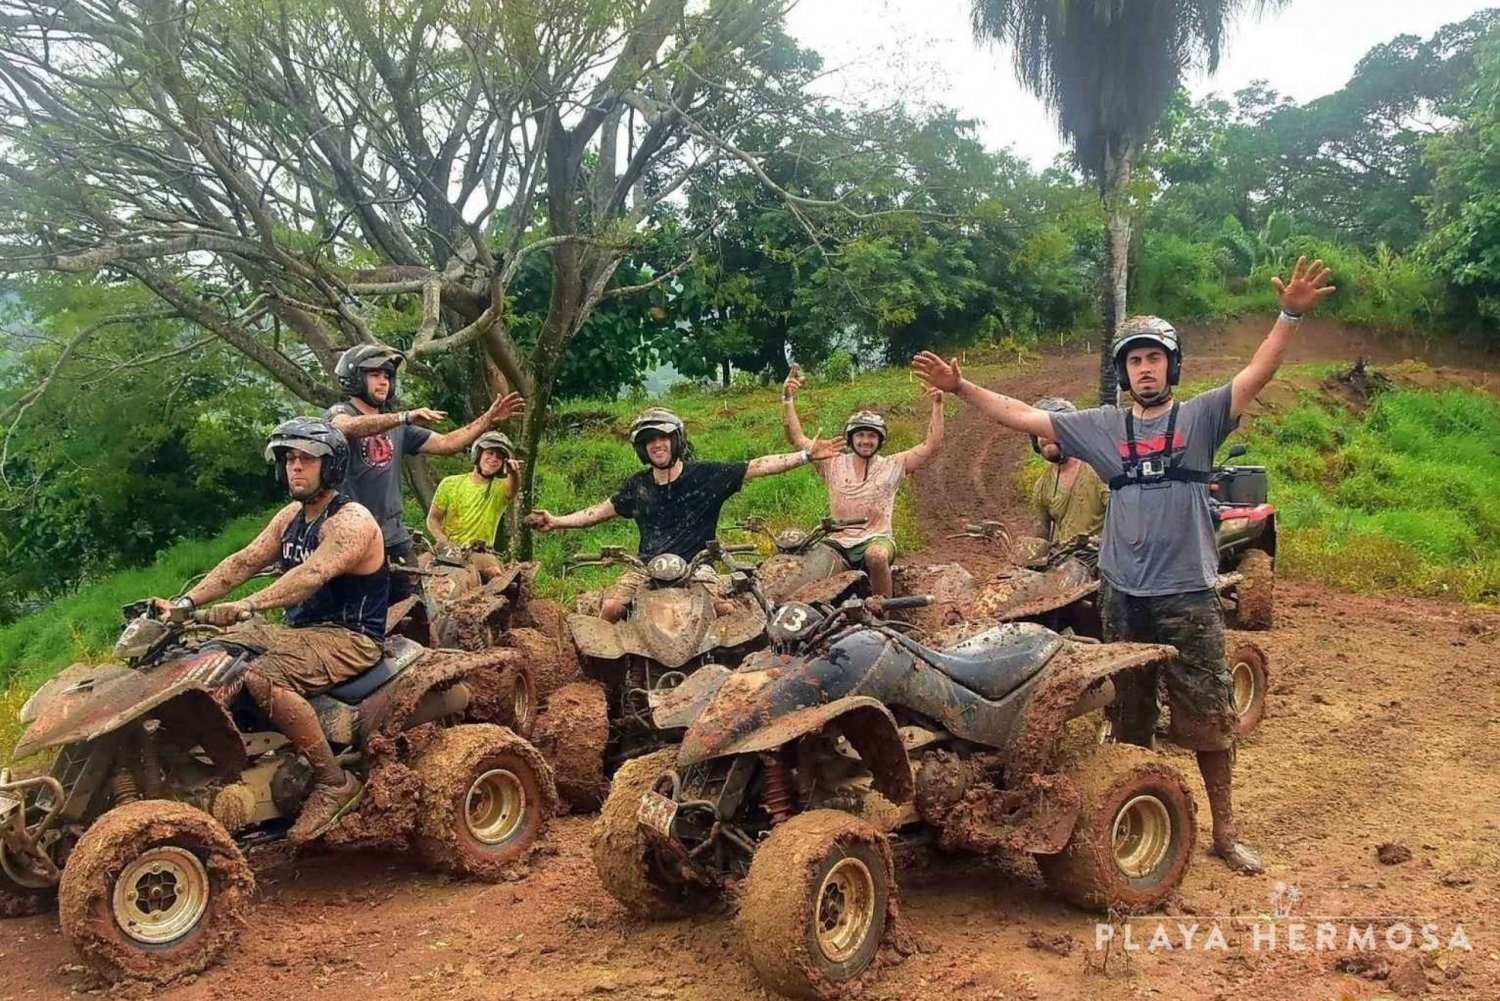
x: 374, y: 478
x: 1158, y: 537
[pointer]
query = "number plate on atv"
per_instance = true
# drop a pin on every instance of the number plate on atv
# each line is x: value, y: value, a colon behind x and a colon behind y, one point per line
x: 656, y: 813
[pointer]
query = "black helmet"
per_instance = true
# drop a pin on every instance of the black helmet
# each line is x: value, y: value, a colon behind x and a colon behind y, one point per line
x: 354, y: 363
x: 864, y: 420
x: 658, y: 421
x: 491, y: 439
x: 1139, y: 330
x: 1053, y: 405
x: 315, y: 436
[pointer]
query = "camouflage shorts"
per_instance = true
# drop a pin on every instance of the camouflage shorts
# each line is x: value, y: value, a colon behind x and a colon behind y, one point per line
x: 1200, y: 690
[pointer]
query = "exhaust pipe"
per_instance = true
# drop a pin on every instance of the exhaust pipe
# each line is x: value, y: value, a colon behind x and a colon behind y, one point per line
x: 450, y: 701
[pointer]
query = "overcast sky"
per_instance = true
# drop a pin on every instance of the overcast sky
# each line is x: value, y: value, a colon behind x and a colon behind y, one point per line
x: 924, y: 51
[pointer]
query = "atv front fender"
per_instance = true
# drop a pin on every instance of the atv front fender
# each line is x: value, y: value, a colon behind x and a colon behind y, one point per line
x: 679, y: 707
x: 1069, y: 678
x: 868, y: 726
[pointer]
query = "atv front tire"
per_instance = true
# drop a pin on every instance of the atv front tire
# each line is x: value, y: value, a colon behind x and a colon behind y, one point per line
x: 487, y: 795
x: 154, y: 890
x: 572, y: 733
x: 1255, y: 594
x: 817, y: 901
x: 1134, y: 837
x: 628, y: 864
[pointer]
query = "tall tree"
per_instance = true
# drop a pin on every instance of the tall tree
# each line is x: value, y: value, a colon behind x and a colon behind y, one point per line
x: 295, y: 176
x: 1109, y: 68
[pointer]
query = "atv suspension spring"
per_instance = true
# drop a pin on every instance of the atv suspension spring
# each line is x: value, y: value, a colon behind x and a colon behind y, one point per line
x: 776, y: 793
x: 124, y: 786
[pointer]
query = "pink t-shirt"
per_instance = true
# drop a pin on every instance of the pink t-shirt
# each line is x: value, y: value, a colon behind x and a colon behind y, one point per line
x: 852, y: 494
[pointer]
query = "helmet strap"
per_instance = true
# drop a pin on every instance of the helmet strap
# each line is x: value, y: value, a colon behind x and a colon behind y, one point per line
x: 1165, y: 396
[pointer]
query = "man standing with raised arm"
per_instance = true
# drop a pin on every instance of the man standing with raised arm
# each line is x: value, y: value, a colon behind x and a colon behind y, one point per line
x: 1158, y: 560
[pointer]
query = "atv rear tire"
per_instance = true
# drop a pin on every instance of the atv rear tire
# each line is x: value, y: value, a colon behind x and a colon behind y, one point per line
x: 1134, y: 837
x: 1251, y: 676
x: 154, y: 890
x: 820, y: 892
x: 572, y: 733
x: 487, y: 795
x: 503, y: 692
x: 627, y: 862
x: 1254, y: 596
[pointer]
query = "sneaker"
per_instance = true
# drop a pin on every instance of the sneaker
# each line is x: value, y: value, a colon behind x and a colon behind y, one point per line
x: 324, y: 806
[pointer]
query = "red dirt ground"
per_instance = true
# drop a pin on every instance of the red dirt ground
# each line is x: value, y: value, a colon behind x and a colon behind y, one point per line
x: 1384, y: 726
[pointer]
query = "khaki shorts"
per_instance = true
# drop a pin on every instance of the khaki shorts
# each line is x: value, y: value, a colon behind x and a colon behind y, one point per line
x: 309, y: 660
x: 624, y: 589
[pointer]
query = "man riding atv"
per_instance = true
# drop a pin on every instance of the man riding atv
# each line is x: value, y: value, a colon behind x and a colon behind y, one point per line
x: 1158, y: 561
x: 862, y: 483
x: 382, y: 437
x: 334, y: 588
x: 1069, y: 499
x: 675, y: 502
x: 466, y: 508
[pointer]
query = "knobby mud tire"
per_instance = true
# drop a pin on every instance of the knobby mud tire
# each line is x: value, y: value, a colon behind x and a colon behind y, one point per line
x: 116, y: 840
x: 1255, y: 594
x: 780, y: 911
x: 1085, y: 872
x: 624, y: 857
x: 450, y: 769
x: 1244, y: 656
x: 572, y: 734
x: 503, y: 693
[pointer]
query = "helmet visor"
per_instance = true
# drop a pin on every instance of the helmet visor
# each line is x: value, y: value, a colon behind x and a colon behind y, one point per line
x: 307, y: 445
x: 660, y: 427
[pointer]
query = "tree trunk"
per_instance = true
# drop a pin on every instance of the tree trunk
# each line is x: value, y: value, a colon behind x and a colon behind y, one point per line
x: 1113, y: 189
x: 724, y: 371
x: 419, y: 474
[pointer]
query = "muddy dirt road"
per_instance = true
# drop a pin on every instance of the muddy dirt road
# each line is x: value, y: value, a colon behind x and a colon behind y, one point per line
x: 1384, y: 727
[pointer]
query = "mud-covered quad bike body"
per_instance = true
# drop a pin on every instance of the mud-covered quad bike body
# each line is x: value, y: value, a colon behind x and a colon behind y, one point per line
x: 805, y: 567
x: 163, y: 767
x: 1245, y: 529
x: 672, y: 629
x: 795, y: 767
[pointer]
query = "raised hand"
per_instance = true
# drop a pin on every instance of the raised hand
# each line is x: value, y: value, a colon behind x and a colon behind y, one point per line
x: 541, y: 520
x: 943, y: 375
x: 934, y: 394
x: 505, y: 407
x: 826, y: 448
x: 793, y: 382
x: 426, y: 416
x: 1307, y: 287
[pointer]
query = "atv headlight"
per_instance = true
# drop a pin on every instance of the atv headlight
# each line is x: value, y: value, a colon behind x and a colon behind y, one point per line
x: 668, y: 568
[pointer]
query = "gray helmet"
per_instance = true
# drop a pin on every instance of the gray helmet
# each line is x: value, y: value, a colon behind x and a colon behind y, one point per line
x: 491, y: 439
x: 864, y: 420
x: 315, y: 436
x: 1054, y: 405
x: 658, y: 420
x: 1140, y: 330
x: 355, y: 362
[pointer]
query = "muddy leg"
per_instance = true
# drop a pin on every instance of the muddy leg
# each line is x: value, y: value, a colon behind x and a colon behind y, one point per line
x: 291, y: 714
x: 1218, y: 769
x: 612, y: 610
x: 878, y: 567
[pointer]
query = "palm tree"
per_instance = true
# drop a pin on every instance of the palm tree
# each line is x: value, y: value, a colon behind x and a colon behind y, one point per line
x: 1108, y: 69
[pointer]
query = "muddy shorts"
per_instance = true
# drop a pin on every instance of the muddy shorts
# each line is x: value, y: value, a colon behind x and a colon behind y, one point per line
x: 623, y: 590
x: 1200, y: 691
x: 854, y: 554
x: 309, y: 660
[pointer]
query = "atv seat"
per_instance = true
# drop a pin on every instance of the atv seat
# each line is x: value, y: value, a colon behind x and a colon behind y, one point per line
x: 1000, y: 660
x: 400, y: 653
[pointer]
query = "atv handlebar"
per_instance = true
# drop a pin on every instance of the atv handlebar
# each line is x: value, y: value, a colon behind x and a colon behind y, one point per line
x: 911, y: 601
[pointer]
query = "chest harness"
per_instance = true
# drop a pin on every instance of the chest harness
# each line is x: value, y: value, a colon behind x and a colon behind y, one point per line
x: 1140, y: 470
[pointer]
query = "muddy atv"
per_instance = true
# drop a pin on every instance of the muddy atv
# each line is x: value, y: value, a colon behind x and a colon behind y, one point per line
x: 798, y: 768
x: 1058, y: 589
x: 673, y: 629
x: 803, y: 568
x: 164, y: 768
x: 1246, y: 534
x: 520, y: 635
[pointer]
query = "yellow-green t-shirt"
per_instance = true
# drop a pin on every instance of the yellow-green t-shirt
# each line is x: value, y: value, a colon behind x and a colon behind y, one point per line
x: 471, y: 511
x: 1077, y: 510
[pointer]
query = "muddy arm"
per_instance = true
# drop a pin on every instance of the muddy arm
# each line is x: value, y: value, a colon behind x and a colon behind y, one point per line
x: 345, y: 542
x: 239, y: 567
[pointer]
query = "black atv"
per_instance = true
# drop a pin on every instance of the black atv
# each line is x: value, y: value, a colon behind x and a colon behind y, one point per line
x: 1245, y: 526
x: 796, y: 766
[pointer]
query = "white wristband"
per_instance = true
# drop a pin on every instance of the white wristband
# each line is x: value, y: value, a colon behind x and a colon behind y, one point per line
x: 806, y: 456
x: 1292, y: 318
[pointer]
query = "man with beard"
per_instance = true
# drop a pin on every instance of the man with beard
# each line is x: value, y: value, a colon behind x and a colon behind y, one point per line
x: 333, y: 587
x: 675, y: 502
x: 1157, y: 559
x: 466, y: 508
x: 382, y: 436
x: 1069, y: 499
x: 862, y: 484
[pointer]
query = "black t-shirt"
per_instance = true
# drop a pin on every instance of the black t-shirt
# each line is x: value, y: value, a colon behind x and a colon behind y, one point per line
x: 682, y: 516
